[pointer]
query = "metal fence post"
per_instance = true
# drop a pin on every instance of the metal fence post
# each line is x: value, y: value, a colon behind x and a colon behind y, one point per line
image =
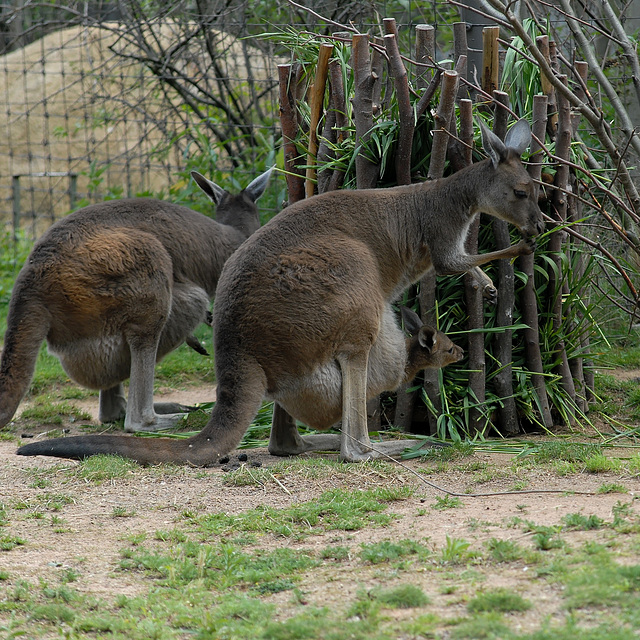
x: 15, y: 192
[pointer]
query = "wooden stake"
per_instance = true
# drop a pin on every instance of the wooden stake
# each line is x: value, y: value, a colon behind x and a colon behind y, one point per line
x: 317, y: 101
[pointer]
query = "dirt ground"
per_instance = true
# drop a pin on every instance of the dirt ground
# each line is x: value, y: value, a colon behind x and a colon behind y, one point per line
x: 93, y: 537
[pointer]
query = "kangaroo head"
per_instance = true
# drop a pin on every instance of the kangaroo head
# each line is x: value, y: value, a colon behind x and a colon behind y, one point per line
x: 428, y: 348
x: 509, y: 193
x: 238, y: 211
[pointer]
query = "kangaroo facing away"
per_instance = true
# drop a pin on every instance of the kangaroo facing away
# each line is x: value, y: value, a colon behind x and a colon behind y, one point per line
x: 308, y: 295
x: 113, y: 288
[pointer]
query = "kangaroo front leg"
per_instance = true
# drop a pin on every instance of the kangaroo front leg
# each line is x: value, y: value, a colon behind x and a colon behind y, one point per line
x: 141, y: 415
x: 285, y: 440
x: 459, y: 263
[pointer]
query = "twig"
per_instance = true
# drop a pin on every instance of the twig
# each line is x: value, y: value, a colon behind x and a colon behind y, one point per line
x: 280, y: 484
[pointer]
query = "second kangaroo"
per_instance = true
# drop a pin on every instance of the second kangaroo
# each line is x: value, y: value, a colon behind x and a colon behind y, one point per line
x: 117, y: 285
x: 309, y: 294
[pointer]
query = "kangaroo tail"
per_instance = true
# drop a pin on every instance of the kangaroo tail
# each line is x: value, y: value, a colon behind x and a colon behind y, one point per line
x: 142, y: 450
x: 235, y: 407
x: 27, y: 327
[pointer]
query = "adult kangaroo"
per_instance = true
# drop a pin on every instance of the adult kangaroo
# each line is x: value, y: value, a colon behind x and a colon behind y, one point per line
x: 113, y: 288
x: 307, y: 298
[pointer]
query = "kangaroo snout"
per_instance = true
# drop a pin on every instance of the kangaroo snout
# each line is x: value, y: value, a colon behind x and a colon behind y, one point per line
x: 534, y: 227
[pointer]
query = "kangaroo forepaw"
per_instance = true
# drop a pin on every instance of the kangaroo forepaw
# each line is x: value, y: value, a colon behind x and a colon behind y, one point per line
x: 526, y: 246
x: 490, y: 294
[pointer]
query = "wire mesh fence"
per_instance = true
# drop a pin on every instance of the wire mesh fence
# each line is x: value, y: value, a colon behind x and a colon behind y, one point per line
x: 110, y: 99
x: 82, y: 116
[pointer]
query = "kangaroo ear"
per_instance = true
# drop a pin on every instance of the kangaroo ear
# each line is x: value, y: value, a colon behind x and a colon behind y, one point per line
x: 257, y: 186
x: 493, y: 146
x: 410, y: 320
x: 518, y: 137
x: 214, y: 192
x: 427, y: 337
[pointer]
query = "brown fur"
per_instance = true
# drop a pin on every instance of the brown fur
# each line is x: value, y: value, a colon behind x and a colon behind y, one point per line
x: 116, y: 286
x: 307, y: 297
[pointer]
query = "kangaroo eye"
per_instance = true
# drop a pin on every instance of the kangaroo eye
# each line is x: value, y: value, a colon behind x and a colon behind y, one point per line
x: 519, y: 193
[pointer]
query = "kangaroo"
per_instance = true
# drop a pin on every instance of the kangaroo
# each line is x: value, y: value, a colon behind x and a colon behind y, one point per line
x: 310, y: 292
x: 113, y: 288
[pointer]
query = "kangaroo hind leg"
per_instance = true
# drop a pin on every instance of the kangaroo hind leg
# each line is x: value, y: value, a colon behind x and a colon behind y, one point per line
x: 285, y: 439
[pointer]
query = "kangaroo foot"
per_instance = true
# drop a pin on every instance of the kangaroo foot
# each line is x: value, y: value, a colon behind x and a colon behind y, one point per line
x: 360, y: 452
x: 303, y: 444
x: 164, y: 408
x: 159, y: 423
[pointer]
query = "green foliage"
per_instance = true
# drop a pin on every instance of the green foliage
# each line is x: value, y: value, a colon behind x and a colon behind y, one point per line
x: 447, y: 502
x: 456, y: 551
x: 504, y: 550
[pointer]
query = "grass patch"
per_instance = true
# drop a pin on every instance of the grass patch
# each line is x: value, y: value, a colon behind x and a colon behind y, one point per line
x: 387, y: 551
x: 456, y: 551
x: 405, y: 596
x: 10, y: 542
x: 101, y: 468
x: 333, y: 510
x: 221, y: 566
x: 502, y: 600
x: 504, y: 550
x: 580, y: 522
x: 447, y: 502
x: 49, y: 411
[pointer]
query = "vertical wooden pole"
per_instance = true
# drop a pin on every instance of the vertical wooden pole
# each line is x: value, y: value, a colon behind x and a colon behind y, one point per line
x: 461, y: 53
x: 474, y: 299
x: 529, y: 302
x: 316, y: 104
x: 425, y: 53
x: 366, y: 169
x: 427, y: 292
x: 288, y: 75
x: 507, y: 422
x: 490, y: 59
x: 556, y: 246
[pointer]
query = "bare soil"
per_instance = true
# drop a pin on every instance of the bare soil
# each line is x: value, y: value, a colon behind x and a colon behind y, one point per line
x: 156, y: 497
